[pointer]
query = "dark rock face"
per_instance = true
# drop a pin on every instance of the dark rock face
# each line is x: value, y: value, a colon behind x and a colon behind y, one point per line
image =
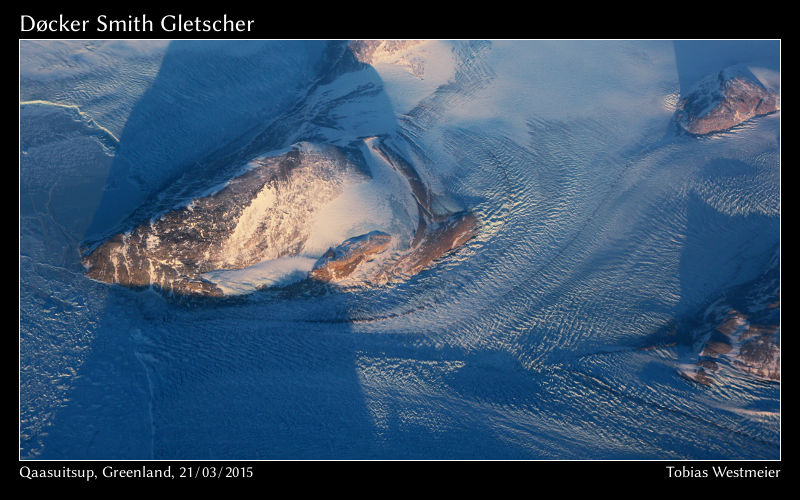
x: 375, y: 51
x: 435, y: 242
x: 340, y: 262
x: 759, y: 352
x: 751, y: 348
x: 437, y: 234
x: 262, y: 214
x: 745, y: 338
x: 718, y: 103
x: 369, y: 51
x: 267, y: 213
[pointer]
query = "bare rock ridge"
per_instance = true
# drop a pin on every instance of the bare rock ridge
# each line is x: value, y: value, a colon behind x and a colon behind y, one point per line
x: 437, y: 234
x: 741, y: 331
x: 268, y: 213
x: 391, y: 51
x: 341, y: 261
x: 372, y: 51
x: 724, y: 100
x: 748, y: 347
x: 436, y: 241
x: 262, y: 214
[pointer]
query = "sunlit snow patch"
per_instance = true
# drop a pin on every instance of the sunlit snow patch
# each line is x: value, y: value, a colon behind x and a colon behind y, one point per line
x: 277, y: 272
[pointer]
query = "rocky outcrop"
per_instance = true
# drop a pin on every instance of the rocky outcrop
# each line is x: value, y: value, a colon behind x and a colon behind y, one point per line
x: 745, y: 338
x: 432, y: 243
x: 340, y: 262
x: 263, y: 214
x: 267, y: 213
x: 372, y: 51
x: 389, y: 51
x: 760, y: 353
x: 724, y: 100
x: 436, y: 241
x: 750, y: 348
x: 438, y: 232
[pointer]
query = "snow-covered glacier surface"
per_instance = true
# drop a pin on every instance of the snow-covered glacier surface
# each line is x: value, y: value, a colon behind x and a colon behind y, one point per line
x: 609, y: 245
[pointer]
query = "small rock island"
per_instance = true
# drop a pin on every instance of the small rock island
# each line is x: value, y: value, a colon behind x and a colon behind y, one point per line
x: 722, y: 101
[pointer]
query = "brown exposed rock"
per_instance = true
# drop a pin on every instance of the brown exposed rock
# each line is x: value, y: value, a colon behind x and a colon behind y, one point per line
x: 715, y: 349
x: 759, y: 331
x: 196, y: 286
x: 340, y: 262
x: 264, y: 214
x: 740, y: 332
x: 367, y: 51
x: 700, y: 376
x: 437, y: 233
x: 708, y: 364
x: 725, y: 101
x: 173, y: 251
x: 436, y: 242
x: 761, y: 356
x: 390, y: 51
x: 732, y: 323
x: 753, y: 349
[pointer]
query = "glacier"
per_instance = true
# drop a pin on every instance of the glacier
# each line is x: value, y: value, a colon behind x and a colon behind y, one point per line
x: 571, y: 326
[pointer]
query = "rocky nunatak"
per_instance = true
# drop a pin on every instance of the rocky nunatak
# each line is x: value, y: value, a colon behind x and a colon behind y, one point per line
x: 340, y: 262
x: 267, y: 213
x: 393, y: 51
x: 245, y: 222
x: 722, y: 101
x: 740, y: 331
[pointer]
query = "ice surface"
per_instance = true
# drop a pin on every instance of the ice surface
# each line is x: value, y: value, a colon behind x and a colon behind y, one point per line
x: 276, y: 272
x: 550, y: 335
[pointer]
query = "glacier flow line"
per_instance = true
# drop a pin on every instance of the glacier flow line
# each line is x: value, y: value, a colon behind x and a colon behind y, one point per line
x: 74, y: 108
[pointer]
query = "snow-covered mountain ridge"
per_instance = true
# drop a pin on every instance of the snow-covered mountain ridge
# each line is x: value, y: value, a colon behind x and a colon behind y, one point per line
x: 268, y: 219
